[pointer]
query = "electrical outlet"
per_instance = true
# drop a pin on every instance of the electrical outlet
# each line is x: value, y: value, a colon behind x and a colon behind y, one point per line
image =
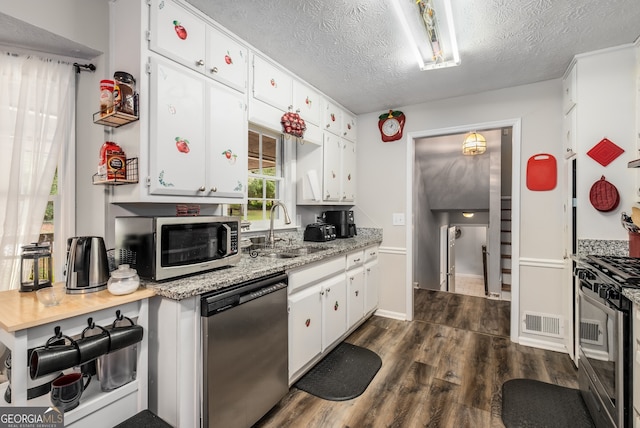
x: 398, y: 219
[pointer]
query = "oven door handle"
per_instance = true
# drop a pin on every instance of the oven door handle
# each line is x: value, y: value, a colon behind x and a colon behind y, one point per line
x: 598, y: 303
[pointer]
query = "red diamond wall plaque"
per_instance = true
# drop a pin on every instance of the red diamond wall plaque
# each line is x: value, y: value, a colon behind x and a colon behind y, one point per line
x: 605, y: 152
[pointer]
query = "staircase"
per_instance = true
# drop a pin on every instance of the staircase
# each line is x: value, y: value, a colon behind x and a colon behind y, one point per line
x: 505, y: 246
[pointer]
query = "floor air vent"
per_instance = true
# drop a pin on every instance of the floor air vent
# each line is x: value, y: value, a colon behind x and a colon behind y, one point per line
x: 543, y: 324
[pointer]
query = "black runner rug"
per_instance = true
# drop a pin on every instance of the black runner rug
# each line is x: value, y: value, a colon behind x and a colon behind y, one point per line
x: 343, y: 374
x: 534, y: 404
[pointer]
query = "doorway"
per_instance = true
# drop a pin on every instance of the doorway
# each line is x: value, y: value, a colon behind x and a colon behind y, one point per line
x: 423, y: 207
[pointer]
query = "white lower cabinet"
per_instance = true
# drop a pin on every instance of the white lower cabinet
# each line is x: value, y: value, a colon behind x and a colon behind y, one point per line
x: 334, y: 309
x: 355, y: 295
x: 355, y: 287
x: 371, y: 280
x: 305, y: 327
x: 327, y: 301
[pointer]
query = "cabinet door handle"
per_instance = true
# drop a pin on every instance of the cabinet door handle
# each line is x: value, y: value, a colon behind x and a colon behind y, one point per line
x: 356, y: 260
x: 214, y: 189
x: 200, y: 63
x: 214, y: 70
x: 202, y: 189
x: 357, y: 293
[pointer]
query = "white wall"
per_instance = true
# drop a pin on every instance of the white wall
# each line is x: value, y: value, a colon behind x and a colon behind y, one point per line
x: 85, y: 22
x: 606, y: 97
x: 379, y: 195
x: 469, y: 250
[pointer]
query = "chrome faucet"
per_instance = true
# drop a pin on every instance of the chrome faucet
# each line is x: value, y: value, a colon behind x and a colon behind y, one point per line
x: 271, y: 239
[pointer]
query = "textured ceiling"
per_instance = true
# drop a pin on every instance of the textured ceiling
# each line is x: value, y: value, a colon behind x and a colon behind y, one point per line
x: 355, y: 51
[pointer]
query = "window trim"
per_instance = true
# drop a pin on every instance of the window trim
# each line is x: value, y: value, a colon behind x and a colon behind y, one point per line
x: 64, y: 205
x: 287, y: 190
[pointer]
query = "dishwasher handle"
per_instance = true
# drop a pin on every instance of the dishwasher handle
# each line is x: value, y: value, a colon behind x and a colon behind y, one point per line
x: 220, y: 301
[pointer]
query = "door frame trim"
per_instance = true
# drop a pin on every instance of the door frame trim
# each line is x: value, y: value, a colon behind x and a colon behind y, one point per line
x: 516, y: 125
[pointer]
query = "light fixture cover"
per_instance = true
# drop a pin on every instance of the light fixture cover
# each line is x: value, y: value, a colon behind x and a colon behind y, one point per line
x: 429, y: 27
x: 467, y: 214
x: 474, y: 144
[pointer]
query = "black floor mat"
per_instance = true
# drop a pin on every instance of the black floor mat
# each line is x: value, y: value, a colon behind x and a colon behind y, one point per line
x: 532, y: 404
x: 343, y: 374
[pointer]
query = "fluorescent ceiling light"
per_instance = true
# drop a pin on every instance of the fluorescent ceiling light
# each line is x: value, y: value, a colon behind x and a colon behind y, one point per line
x: 432, y: 39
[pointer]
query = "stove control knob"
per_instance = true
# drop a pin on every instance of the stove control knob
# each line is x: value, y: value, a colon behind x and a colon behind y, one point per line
x: 603, y: 291
x: 585, y: 274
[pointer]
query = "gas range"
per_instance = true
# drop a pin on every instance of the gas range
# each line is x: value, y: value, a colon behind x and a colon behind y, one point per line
x: 619, y: 270
x: 605, y: 332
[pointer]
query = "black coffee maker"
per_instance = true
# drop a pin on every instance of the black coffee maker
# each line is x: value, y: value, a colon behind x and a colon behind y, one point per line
x: 343, y: 221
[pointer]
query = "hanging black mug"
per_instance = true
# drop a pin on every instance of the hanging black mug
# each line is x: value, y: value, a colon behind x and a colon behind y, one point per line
x: 91, y: 347
x: 53, y: 358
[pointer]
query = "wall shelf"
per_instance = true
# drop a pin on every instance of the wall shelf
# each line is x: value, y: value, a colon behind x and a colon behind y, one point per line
x: 131, y: 168
x: 116, y: 118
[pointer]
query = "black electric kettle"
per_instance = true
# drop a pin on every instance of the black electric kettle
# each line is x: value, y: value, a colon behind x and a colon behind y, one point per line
x: 87, y: 265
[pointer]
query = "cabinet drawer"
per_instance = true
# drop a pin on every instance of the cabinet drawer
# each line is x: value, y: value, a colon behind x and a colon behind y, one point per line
x: 306, y: 276
x: 370, y: 253
x: 355, y: 259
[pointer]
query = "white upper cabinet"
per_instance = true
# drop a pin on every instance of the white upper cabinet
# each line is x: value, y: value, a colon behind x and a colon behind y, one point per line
x: 332, y: 119
x: 349, y: 126
x: 307, y: 102
x: 182, y: 36
x: 226, y: 60
x: 569, y: 89
x: 271, y: 84
x: 198, y: 135
x: 178, y: 34
x: 177, y: 131
x: 227, y: 143
x: 332, y: 168
x: 348, y: 171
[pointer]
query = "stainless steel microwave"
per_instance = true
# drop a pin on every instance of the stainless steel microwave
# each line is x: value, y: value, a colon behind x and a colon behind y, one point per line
x: 161, y: 248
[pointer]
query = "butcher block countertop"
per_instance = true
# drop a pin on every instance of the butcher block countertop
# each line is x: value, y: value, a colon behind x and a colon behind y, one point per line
x: 19, y: 311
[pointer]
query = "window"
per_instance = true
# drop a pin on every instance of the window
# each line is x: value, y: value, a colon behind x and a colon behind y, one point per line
x: 267, y: 180
x: 37, y: 112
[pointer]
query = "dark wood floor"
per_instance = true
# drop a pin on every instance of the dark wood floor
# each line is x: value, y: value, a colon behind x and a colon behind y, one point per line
x: 444, y: 369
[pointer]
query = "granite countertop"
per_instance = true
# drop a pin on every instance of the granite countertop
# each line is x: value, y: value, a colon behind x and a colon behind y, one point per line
x: 632, y: 294
x: 255, y: 267
x: 607, y: 248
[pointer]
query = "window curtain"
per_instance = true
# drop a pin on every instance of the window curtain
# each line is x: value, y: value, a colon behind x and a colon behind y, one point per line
x: 37, y: 108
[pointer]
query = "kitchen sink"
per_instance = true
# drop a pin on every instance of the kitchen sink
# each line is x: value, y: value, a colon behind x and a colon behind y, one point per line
x: 289, y: 253
x: 280, y: 255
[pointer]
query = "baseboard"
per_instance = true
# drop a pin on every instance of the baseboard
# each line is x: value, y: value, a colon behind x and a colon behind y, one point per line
x: 543, y: 344
x: 393, y: 315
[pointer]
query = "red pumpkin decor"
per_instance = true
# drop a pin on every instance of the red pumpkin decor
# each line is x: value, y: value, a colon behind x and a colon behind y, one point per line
x: 293, y: 124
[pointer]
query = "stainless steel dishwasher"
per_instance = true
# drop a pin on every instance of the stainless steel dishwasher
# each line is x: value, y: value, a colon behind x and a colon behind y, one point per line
x: 245, y: 347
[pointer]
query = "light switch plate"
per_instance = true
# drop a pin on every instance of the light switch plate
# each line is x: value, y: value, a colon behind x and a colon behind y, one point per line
x: 398, y: 219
